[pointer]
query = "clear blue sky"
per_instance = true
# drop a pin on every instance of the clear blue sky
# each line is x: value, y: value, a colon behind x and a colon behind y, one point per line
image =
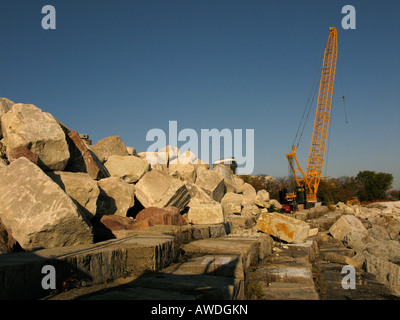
x: 124, y: 67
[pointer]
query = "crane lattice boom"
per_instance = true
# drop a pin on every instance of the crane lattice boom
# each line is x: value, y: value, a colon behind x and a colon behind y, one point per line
x: 311, y: 180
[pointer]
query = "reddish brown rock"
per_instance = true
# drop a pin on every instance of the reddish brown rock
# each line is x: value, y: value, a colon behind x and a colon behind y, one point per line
x: 109, y: 225
x: 167, y: 216
x: 23, y: 151
x: 83, y: 159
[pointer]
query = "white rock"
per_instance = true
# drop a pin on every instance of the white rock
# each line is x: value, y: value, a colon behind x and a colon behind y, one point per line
x: 27, y: 125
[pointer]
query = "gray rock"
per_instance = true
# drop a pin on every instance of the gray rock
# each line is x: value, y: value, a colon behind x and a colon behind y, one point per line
x: 37, y: 211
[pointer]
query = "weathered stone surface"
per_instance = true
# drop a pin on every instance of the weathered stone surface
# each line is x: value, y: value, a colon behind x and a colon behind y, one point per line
x: 159, y: 159
x: 131, y: 151
x: 206, y: 214
x: 249, y: 194
x: 231, y: 197
x: 212, y: 183
x: 3, y: 163
x: 165, y: 216
x: 239, y: 183
x: 226, y: 172
x: 5, y: 106
x: 262, y: 197
x: 109, y: 146
x: 116, y: 197
x: 198, y: 195
x: 158, y: 189
x: 201, y: 165
x: 27, y: 125
x: 171, y: 152
x: 250, y: 210
x: 386, y: 272
x: 232, y: 203
x: 7, y: 242
x: 283, y: 227
x: 346, y: 224
x: 37, y: 211
x: 185, y: 157
x: 128, y: 168
x: 81, y: 188
x: 185, y: 172
x: 83, y: 159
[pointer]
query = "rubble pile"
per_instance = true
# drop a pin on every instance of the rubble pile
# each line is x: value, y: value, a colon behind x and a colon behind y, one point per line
x: 56, y: 189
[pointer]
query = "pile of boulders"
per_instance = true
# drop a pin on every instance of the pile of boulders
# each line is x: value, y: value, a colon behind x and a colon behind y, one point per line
x: 373, y: 232
x: 56, y: 189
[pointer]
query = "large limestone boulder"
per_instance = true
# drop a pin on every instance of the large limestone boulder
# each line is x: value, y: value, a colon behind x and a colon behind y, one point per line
x: 186, y: 172
x: 249, y: 194
x: 171, y: 153
x: 198, y: 195
x: 109, y: 146
x: 346, y: 224
x: 128, y: 168
x: 158, y: 189
x: 5, y: 106
x: 206, y: 214
x: 239, y: 183
x: 81, y: 188
x: 226, y: 172
x: 27, y: 125
x: 212, y: 183
x: 232, y: 203
x: 116, y: 197
x: 283, y: 227
x: 37, y: 211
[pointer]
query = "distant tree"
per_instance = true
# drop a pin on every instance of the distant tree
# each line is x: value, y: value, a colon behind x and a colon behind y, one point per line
x: 327, y: 191
x: 346, y: 188
x: 372, y: 185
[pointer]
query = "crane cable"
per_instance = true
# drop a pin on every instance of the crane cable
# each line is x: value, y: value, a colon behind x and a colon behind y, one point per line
x: 307, y: 110
x: 343, y: 97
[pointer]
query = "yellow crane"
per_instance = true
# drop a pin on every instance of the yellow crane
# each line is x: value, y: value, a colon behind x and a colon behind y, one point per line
x: 308, y: 183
